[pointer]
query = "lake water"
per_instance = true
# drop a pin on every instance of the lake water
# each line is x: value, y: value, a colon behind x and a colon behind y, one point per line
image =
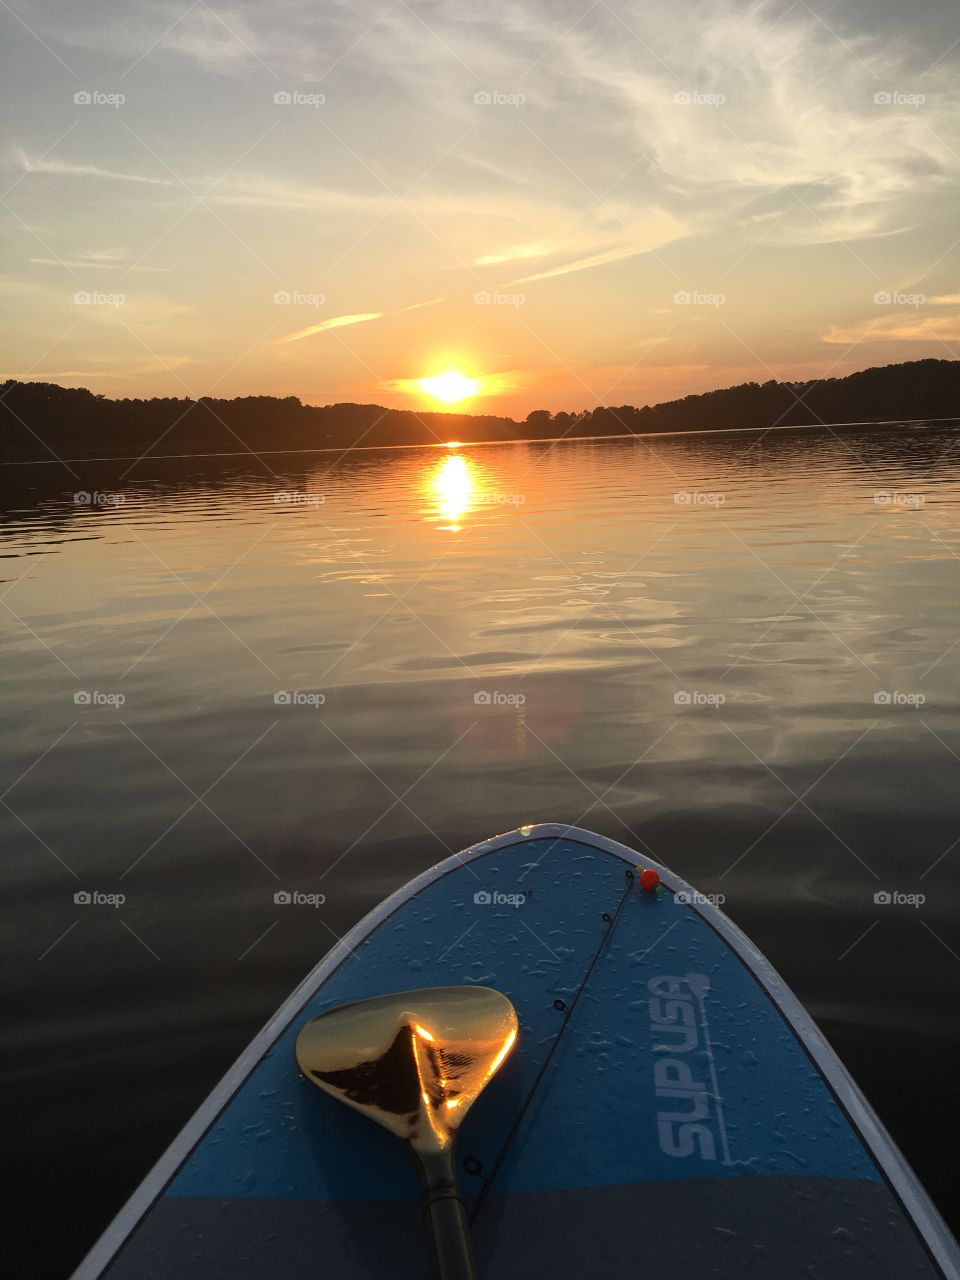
x: 230, y: 679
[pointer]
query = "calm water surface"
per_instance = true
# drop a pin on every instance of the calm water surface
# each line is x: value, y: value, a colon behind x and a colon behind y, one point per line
x: 725, y: 650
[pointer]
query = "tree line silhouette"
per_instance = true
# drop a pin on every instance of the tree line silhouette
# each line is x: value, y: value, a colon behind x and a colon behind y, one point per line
x: 41, y: 420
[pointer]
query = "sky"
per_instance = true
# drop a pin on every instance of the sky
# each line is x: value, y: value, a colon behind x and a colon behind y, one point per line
x: 566, y: 203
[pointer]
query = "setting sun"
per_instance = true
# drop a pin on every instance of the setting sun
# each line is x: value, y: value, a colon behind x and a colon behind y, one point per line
x: 450, y: 386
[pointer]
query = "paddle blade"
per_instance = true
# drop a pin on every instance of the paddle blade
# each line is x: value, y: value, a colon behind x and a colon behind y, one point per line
x: 415, y: 1061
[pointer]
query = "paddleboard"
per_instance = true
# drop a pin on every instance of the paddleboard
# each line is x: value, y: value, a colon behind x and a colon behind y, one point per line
x: 669, y: 1109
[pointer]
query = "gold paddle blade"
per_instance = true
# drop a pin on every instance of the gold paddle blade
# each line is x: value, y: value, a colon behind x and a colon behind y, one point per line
x: 414, y: 1062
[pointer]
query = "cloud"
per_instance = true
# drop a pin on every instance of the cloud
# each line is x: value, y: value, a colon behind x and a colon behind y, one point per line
x: 775, y: 107
x: 271, y: 192
x: 910, y: 327
x: 718, y: 106
x: 515, y: 253
x: 429, y: 302
x: 86, y: 261
x: 220, y: 40
x: 251, y: 189
x: 67, y: 168
x: 582, y: 264
x: 335, y: 322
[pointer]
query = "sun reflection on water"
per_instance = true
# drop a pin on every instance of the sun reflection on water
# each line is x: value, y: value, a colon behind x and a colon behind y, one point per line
x: 454, y: 487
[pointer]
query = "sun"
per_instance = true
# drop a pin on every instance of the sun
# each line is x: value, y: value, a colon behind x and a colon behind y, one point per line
x: 450, y: 387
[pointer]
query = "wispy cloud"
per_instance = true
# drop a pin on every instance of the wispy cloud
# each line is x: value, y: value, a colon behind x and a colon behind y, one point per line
x: 73, y: 169
x: 217, y: 39
x: 581, y: 264
x: 335, y: 322
x: 428, y: 302
x: 91, y: 261
x: 514, y: 253
x: 910, y: 327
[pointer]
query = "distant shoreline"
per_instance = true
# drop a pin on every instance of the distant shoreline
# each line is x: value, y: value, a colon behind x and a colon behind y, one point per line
x: 40, y: 421
x: 909, y: 423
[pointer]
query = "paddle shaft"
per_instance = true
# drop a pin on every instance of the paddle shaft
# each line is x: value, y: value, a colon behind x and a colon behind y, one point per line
x: 446, y: 1217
